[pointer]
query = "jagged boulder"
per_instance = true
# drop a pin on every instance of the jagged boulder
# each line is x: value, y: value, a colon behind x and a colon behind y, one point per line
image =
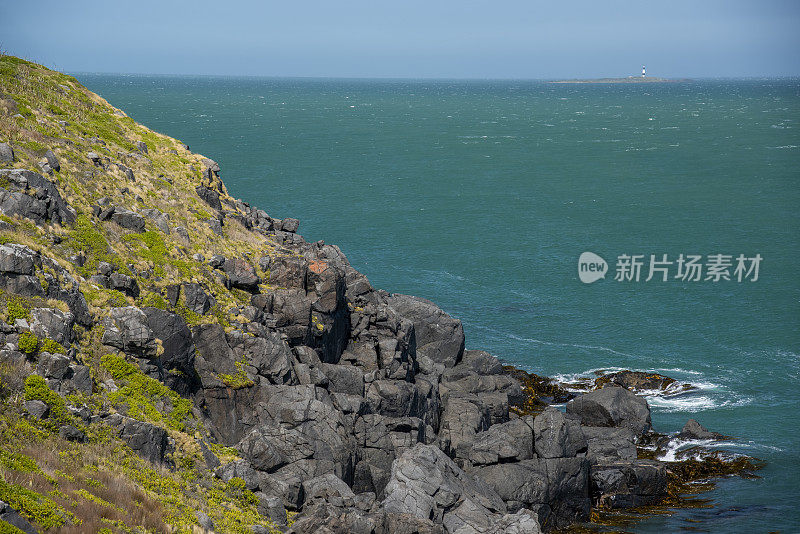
x: 147, y: 440
x: 54, y: 366
x: 241, y: 274
x: 558, y: 435
x: 197, y: 299
x: 694, y: 430
x: 33, y: 196
x: 179, y: 351
x: 18, y: 260
x: 268, y: 354
x: 124, y: 283
x: 612, y: 407
x: 505, y: 442
x: 128, y: 219
x: 159, y: 218
x: 6, y: 153
x: 557, y: 487
x: 127, y: 330
x: 426, y: 484
x: 625, y: 485
x: 380, y: 440
x: 439, y: 336
x: 13, y: 518
x: 52, y: 323
x: 605, y: 444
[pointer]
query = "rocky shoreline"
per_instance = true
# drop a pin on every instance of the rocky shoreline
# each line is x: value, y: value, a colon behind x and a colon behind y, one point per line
x: 289, y: 376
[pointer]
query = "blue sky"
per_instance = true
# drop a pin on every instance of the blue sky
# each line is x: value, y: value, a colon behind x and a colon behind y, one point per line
x: 409, y: 38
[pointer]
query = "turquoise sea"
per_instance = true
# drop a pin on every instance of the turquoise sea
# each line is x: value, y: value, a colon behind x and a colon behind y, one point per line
x: 481, y: 196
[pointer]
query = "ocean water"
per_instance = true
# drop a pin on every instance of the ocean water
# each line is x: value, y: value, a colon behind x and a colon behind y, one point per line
x: 481, y: 196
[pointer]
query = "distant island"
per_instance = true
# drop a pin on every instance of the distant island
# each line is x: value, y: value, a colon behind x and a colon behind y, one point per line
x: 629, y: 79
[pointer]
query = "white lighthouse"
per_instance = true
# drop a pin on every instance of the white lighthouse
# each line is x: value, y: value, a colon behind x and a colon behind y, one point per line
x: 643, y: 71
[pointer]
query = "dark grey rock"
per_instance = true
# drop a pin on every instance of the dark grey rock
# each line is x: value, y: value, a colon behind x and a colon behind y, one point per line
x: 18, y: 259
x: 625, y: 485
x: 12, y: 517
x: 438, y: 336
x: 344, y: 379
x: 426, y: 484
x: 694, y: 430
x: 177, y: 360
x: 82, y: 379
x: 504, y: 442
x: 558, y: 435
x: 53, y: 324
x: 216, y: 261
x: 127, y: 330
x: 272, y: 508
x: 52, y: 160
x: 290, y: 225
x: 70, y: 433
x: 612, y: 407
x: 33, y: 196
x: 560, y: 483
x: 53, y: 365
x: 197, y: 299
x: 606, y: 444
x: 37, y: 409
x: 239, y: 469
x: 209, y: 196
x: 160, y: 219
x: 241, y: 274
x: 146, y: 440
x: 128, y: 219
x: 6, y: 153
x: 124, y: 283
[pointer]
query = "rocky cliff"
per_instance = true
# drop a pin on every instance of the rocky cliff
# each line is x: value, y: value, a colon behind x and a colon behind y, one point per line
x: 174, y: 359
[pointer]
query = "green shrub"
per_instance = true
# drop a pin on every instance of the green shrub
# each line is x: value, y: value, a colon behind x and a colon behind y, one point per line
x: 33, y: 506
x: 85, y: 237
x: 53, y: 347
x: 153, y: 300
x: 18, y: 462
x: 28, y: 343
x: 140, y: 393
x: 17, y: 309
x: 239, y: 380
x: 36, y: 389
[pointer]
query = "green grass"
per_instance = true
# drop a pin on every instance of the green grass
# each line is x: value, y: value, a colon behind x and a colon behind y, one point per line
x: 35, y: 507
x: 85, y: 237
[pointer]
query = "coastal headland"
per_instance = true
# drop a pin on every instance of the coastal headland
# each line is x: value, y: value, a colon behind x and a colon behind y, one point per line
x: 173, y: 359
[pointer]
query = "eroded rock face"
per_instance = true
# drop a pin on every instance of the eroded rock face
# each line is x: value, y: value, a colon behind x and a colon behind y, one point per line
x: 624, y: 485
x: 558, y: 487
x: 34, y: 197
x: 241, y: 274
x: 439, y: 336
x: 428, y: 485
x: 148, y: 441
x: 127, y: 330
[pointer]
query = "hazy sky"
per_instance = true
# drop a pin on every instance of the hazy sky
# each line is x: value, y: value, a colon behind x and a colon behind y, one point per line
x: 409, y: 38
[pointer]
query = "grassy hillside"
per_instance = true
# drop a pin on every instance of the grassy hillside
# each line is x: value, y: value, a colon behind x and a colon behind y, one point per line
x: 107, y: 159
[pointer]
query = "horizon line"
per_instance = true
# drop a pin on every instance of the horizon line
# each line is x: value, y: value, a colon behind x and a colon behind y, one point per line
x: 428, y: 78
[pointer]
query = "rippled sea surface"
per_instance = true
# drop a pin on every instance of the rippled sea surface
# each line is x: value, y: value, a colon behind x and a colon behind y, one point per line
x: 481, y: 196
